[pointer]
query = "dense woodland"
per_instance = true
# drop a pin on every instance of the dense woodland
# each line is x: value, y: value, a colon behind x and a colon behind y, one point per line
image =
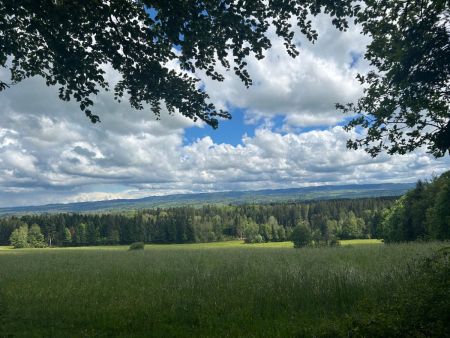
x: 328, y: 219
x: 422, y: 213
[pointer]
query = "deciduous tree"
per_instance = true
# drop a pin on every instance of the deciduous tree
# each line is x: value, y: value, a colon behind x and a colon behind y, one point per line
x: 19, y: 237
x: 301, y: 236
x: 35, y: 237
x: 68, y: 43
x: 406, y: 102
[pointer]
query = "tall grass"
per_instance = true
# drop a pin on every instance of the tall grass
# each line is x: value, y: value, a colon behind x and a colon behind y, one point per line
x: 184, y: 292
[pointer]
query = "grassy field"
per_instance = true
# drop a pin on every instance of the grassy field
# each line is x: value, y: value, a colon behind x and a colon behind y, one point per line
x: 182, y: 290
x: 197, y: 246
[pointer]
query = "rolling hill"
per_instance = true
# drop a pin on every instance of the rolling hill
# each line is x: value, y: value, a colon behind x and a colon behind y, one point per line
x: 226, y: 197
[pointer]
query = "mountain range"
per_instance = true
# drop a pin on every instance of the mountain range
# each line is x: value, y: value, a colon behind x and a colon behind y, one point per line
x: 225, y: 197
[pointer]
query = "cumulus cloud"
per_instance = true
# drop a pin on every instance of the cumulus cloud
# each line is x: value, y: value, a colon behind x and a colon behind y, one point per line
x: 270, y: 159
x: 50, y: 152
x: 304, y: 89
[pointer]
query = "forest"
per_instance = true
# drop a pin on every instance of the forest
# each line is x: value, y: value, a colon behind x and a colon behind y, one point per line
x: 341, y: 219
x: 422, y: 213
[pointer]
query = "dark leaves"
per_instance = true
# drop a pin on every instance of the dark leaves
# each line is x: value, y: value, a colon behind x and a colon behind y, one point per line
x: 406, y: 103
x: 68, y: 42
x: 3, y: 86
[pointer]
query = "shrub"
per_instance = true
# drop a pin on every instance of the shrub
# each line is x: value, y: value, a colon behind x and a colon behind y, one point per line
x: 258, y: 239
x: 334, y: 242
x: 137, y: 246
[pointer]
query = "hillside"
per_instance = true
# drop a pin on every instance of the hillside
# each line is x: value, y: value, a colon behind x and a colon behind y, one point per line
x: 228, y: 197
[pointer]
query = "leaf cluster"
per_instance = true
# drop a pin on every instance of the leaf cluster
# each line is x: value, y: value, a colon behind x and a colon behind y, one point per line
x: 70, y: 43
x: 406, y: 95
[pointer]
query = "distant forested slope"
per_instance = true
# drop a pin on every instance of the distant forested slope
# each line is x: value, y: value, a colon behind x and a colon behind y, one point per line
x: 227, y: 197
x: 422, y: 213
x: 327, y: 219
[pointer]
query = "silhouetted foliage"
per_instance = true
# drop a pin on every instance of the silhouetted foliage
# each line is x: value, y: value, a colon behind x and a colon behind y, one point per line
x: 68, y: 43
x: 406, y: 97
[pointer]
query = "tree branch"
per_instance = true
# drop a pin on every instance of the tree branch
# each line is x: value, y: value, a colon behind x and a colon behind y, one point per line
x: 4, y: 85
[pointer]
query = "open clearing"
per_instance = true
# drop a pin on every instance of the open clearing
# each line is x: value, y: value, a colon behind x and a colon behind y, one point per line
x: 173, y: 290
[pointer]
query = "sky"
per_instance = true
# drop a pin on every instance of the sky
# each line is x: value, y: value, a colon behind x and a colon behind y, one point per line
x: 284, y: 133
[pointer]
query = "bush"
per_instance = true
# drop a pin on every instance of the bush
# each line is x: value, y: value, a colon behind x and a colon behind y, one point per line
x: 334, y: 242
x: 137, y: 246
x: 258, y: 239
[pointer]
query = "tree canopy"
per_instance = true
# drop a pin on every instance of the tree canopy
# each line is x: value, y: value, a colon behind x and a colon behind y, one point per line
x: 406, y: 104
x: 68, y: 43
x: 326, y: 222
x: 422, y: 213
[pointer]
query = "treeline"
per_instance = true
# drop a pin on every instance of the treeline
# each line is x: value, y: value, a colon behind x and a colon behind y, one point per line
x: 421, y: 214
x: 327, y: 220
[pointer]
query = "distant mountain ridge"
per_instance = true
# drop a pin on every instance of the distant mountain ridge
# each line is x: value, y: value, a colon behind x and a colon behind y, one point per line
x: 225, y: 197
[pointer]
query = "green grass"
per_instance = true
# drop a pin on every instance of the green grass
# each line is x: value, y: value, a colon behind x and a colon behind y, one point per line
x: 195, y: 246
x: 232, y: 289
x: 360, y: 241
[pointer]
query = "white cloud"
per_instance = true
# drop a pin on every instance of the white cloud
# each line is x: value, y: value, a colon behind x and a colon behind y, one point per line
x: 20, y: 161
x: 50, y: 152
x: 303, y: 89
x: 270, y: 159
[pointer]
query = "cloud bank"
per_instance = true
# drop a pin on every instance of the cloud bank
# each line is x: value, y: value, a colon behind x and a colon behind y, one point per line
x: 49, y: 152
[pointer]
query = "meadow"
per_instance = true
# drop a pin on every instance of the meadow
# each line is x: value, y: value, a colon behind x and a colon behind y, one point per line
x: 214, y: 289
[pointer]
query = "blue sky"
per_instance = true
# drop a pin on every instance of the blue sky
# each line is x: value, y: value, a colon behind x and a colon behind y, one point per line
x: 230, y: 131
x: 284, y: 133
